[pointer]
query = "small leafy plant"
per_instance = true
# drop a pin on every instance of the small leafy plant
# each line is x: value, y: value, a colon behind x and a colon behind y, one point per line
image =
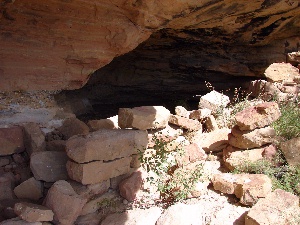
x: 173, y: 181
x: 288, y: 125
x: 283, y: 176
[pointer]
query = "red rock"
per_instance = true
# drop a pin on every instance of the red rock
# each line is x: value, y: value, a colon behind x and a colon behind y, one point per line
x: 291, y: 151
x: 278, y: 207
x: 131, y: 185
x: 251, y: 139
x: 34, y: 138
x: 200, y: 114
x: 269, y: 152
x: 97, y: 145
x: 90, y: 190
x: 213, y: 141
x: 49, y: 166
x: 72, y: 127
x: 278, y: 72
x: 11, y: 140
x: 64, y: 202
x: 211, y: 123
x: 56, y: 145
x: 192, y: 153
x: 258, y: 116
x: 97, y: 171
x: 185, y: 123
x: 33, y: 213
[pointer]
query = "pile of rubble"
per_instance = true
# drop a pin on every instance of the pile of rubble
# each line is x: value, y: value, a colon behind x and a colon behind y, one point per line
x: 71, y: 174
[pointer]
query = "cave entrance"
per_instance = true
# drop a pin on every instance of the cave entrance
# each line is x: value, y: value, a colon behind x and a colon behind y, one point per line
x: 171, y: 68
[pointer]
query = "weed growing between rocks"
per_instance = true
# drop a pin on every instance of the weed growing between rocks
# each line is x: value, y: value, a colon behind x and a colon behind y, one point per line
x: 283, y: 177
x: 173, y: 181
x: 288, y: 125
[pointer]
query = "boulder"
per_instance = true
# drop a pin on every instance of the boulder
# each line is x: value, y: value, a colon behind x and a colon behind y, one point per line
x: 277, y: 72
x: 97, y: 171
x: 291, y: 151
x: 130, y: 186
x: 234, y: 157
x: 34, y: 138
x: 278, y: 207
x: 181, y: 111
x: 64, y: 202
x: 33, y: 213
x: 185, y: 123
x: 249, y: 188
x: 144, y: 117
x: 134, y: 216
x: 109, y: 123
x: 258, y: 116
x: 72, y: 127
x: 213, y: 141
x: 214, y: 101
x: 12, y: 140
x: 191, y: 153
x: 106, y: 145
x: 90, y: 190
x: 49, y: 166
x: 251, y: 139
x: 31, y: 189
x: 200, y: 114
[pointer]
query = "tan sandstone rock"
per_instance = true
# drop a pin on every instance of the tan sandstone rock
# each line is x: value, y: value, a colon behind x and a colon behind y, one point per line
x: 144, y: 117
x: 213, y: 141
x: 278, y: 72
x: 181, y: 111
x: 64, y: 202
x: 248, y: 187
x: 214, y: 101
x: 251, y: 139
x: 291, y: 151
x: 278, y: 207
x: 234, y: 157
x: 106, y: 145
x: 49, y: 166
x: 97, y: 171
x: 258, y: 116
x: 185, y: 123
x: 109, y: 123
x: 130, y: 186
x: 191, y: 153
x: 33, y: 213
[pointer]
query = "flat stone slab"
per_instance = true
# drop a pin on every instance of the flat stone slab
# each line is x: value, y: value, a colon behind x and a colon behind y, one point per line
x: 106, y: 145
x: 258, y: 116
x: 185, y: 123
x: 30, y: 189
x: 33, y: 212
x: 279, y: 207
x: 97, y: 171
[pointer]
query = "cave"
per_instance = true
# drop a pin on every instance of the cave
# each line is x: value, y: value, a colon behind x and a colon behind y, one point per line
x: 175, y: 67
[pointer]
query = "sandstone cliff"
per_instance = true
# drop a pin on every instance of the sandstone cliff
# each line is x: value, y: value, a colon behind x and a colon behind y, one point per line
x: 58, y: 44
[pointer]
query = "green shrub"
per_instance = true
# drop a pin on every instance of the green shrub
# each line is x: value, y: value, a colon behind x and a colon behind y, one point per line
x: 173, y: 181
x: 288, y: 125
x: 283, y: 176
